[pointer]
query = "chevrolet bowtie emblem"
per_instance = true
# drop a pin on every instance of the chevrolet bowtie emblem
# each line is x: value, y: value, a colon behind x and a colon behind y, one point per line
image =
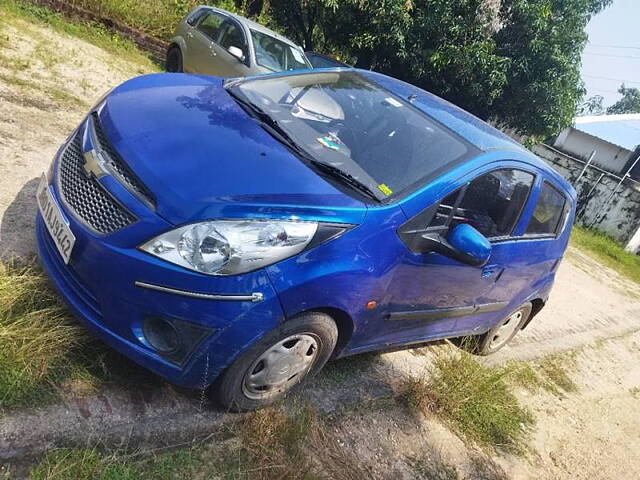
x: 93, y: 164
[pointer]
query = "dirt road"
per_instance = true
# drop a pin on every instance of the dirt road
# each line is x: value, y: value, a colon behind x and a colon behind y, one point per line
x: 47, y: 82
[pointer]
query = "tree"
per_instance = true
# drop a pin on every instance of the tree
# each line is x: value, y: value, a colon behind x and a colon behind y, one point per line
x: 514, y: 61
x: 629, y: 103
x: 591, y: 106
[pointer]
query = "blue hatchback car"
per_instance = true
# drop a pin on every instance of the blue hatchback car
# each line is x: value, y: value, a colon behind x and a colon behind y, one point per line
x: 240, y: 233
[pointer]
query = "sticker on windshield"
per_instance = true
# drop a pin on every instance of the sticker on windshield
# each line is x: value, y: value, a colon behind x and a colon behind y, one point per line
x: 329, y: 143
x: 384, y: 189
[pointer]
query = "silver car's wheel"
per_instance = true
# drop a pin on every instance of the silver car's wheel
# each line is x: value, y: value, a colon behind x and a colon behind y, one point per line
x: 505, y: 330
x: 281, y: 366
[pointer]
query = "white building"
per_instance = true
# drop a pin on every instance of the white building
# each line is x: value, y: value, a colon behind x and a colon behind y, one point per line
x: 614, y: 138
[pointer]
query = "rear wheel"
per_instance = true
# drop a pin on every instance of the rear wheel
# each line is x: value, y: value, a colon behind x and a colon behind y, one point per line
x: 277, y: 362
x: 174, y: 59
x: 500, y: 334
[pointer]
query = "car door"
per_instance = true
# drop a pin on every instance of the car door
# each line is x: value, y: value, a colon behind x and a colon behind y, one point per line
x: 530, y: 257
x: 430, y: 293
x: 201, y: 56
x: 232, y: 35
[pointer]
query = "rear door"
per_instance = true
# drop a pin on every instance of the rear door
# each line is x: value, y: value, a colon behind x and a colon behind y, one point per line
x: 201, y: 53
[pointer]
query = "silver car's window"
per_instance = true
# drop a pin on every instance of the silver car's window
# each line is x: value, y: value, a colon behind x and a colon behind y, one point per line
x: 276, y: 55
x: 231, y: 36
x: 210, y: 24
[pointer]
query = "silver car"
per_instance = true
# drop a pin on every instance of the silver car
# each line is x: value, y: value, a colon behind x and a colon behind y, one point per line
x: 216, y: 42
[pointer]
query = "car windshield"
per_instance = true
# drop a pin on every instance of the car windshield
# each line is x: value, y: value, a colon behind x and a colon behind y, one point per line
x: 275, y: 54
x: 343, y: 120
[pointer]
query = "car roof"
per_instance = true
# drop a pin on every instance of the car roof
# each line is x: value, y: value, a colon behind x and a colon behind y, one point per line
x: 251, y: 24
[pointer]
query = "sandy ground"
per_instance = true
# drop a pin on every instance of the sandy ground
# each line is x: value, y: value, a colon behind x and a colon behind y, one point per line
x: 47, y: 82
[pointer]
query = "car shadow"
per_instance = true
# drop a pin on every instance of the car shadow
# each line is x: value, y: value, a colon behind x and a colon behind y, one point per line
x: 17, y: 227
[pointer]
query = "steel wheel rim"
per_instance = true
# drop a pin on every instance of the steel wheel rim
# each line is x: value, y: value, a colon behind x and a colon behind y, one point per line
x: 281, y: 366
x: 506, y: 329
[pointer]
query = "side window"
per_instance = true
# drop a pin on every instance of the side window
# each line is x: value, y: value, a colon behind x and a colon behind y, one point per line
x: 210, y: 24
x: 231, y: 36
x: 491, y: 203
x: 549, y: 213
x: 195, y: 16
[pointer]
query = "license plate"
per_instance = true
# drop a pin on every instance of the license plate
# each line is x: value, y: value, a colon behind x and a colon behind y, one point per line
x: 57, y: 225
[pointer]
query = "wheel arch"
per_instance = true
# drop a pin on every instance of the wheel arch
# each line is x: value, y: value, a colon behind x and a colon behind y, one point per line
x: 343, y: 321
x: 537, y: 304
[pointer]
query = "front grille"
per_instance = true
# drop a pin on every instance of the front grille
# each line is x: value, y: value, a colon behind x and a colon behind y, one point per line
x: 85, y: 196
x: 118, y: 165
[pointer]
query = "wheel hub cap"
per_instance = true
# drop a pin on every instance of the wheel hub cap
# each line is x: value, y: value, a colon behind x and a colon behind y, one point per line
x: 281, y: 366
x: 509, y: 325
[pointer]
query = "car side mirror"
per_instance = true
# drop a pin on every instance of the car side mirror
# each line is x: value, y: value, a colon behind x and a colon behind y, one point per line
x: 236, y: 52
x: 464, y: 244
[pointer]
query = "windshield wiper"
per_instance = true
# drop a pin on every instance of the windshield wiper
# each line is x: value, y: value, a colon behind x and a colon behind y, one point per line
x: 267, y: 121
x: 273, y: 127
x: 345, y: 177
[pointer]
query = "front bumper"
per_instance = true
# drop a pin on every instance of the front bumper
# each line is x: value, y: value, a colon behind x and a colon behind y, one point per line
x: 99, y: 285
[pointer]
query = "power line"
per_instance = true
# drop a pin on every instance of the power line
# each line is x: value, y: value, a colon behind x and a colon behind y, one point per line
x: 612, y: 55
x: 602, y: 90
x: 612, y: 46
x: 610, y: 78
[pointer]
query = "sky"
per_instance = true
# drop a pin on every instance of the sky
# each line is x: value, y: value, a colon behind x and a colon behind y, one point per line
x: 612, y: 55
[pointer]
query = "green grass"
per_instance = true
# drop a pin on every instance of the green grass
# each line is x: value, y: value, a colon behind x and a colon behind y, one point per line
x: 44, y: 352
x: 37, y: 337
x: 90, y: 464
x: 155, y: 17
x: 605, y: 249
x: 551, y: 374
x: 274, y: 443
x: 476, y: 401
x: 93, y: 33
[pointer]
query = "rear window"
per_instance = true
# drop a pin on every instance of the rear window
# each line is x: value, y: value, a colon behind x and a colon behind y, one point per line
x: 549, y: 212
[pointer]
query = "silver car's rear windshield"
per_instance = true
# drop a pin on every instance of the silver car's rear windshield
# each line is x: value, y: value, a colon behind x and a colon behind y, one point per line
x: 343, y: 119
x: 276, y: 55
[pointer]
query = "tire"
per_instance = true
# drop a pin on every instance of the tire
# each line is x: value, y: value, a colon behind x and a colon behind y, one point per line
x: 174, y: 60
x: 500, y: 335
x: 300, y: 347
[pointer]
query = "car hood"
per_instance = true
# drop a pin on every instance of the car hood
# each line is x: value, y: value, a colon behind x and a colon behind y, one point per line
x: 202, y: 156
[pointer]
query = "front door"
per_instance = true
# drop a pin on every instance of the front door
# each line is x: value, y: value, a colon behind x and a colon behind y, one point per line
x: 201, y: 55
x: 432, y: 295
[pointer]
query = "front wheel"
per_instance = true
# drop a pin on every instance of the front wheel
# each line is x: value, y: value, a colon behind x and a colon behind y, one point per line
x: 277, y: 362
x: 500, y: 334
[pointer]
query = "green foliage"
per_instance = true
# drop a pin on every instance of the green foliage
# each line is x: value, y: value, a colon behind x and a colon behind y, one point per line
x: 517, y: 64
x: 629, y: 103
x: 592, y: 106
x: 605, y: 249
x: 476, y: 400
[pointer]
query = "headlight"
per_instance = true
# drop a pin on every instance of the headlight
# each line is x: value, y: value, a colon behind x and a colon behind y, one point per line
x: 229, y: 247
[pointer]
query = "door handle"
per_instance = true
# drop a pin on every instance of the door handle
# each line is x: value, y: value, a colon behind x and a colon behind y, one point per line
x: 189, y: 34
x: 213, y: 50
x: 491, y: 270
